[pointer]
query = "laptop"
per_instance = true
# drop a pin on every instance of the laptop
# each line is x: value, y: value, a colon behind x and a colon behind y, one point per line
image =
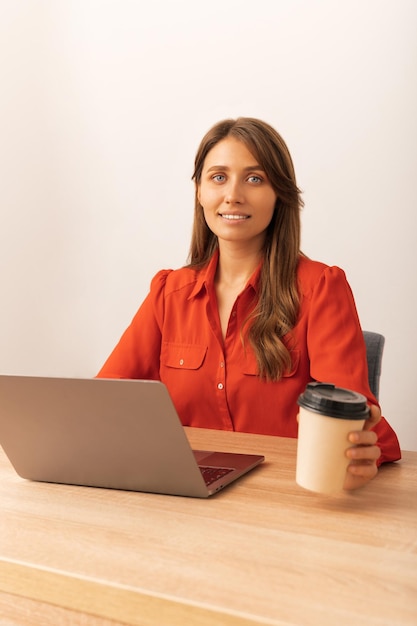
x: 116, y: 434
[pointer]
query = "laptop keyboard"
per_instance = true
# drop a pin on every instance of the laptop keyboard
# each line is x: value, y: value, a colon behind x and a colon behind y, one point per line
x: 211, y: 474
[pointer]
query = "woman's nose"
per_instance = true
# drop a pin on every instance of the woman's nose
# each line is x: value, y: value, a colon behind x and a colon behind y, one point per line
x: 234, y: 192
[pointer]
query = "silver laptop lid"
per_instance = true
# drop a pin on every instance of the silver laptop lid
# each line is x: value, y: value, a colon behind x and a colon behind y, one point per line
x: 121, y: 434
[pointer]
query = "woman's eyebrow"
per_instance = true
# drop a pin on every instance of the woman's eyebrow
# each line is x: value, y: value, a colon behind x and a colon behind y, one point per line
x: 250, y: 168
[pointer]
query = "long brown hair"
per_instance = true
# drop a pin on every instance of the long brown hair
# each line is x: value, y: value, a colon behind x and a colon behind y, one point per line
x: 278, y: 305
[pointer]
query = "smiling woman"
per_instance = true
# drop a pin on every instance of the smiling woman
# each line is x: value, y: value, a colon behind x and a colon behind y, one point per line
x: 251, y: 150
x: 238, y: 333
x: 237, y: 199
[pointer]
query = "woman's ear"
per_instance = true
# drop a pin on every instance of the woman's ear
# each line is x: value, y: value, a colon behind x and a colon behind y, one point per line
x: 197, y: 192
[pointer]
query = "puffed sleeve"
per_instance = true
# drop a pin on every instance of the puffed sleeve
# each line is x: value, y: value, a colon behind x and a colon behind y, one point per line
x: 137, y: 353
x: 337, y: 348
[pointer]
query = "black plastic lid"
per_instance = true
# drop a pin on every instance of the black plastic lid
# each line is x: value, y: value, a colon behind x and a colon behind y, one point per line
x: 327, y: 399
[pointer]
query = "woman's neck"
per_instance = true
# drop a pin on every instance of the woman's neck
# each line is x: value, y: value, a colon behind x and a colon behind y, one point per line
x: 236, y: 267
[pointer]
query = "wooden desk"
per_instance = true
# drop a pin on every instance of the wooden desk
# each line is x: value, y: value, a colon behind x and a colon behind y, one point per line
x: 263, y: 551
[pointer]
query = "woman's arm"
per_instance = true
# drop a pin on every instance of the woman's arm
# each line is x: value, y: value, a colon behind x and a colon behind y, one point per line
x: 338, y: 354
x: 137, y: 354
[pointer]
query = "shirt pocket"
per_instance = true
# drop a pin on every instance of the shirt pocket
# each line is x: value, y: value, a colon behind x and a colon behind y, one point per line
x: 182, y: 356
x: 250, y: 365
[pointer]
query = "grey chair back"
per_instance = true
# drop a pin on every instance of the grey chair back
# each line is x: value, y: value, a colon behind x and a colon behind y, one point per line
x: 374, y: 350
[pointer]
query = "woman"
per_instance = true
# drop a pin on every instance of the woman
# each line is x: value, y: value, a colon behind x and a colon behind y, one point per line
x: 238, y: 333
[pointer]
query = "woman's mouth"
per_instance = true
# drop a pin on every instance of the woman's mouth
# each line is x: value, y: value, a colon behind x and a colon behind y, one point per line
x: 232, y: 216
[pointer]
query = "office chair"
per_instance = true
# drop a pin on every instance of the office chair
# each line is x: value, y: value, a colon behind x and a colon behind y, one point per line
x: 374, y: 349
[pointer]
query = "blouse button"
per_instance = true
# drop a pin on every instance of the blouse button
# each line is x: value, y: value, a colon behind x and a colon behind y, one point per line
x: 181, y: 361
x: 220, y: 386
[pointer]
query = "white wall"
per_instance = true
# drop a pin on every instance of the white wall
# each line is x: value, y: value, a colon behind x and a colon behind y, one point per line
x: 103, y: 104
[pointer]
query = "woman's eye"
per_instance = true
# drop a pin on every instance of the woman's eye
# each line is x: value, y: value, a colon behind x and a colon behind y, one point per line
x: 255, y: 179
x: 219, y: 178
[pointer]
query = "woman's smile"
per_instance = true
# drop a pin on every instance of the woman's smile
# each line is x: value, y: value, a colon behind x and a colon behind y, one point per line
x: 234, y: 217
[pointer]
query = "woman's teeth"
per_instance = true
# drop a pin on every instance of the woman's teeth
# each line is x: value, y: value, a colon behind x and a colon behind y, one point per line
x: 234, y: 217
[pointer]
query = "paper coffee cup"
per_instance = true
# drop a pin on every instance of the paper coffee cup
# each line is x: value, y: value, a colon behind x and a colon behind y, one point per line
x: 327, y: 415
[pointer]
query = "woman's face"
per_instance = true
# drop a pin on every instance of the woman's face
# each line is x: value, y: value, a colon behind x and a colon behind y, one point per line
x: 235, y: 193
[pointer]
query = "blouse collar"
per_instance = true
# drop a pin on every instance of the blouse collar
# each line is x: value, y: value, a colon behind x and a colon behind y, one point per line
x: 206, y: 276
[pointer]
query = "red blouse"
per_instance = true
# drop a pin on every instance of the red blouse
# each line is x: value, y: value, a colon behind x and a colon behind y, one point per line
x: 176, y: 337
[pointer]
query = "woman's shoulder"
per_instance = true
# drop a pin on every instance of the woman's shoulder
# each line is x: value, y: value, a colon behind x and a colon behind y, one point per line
x: 174, y: 279
x: 310, y: 272
x: 309, y: 268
